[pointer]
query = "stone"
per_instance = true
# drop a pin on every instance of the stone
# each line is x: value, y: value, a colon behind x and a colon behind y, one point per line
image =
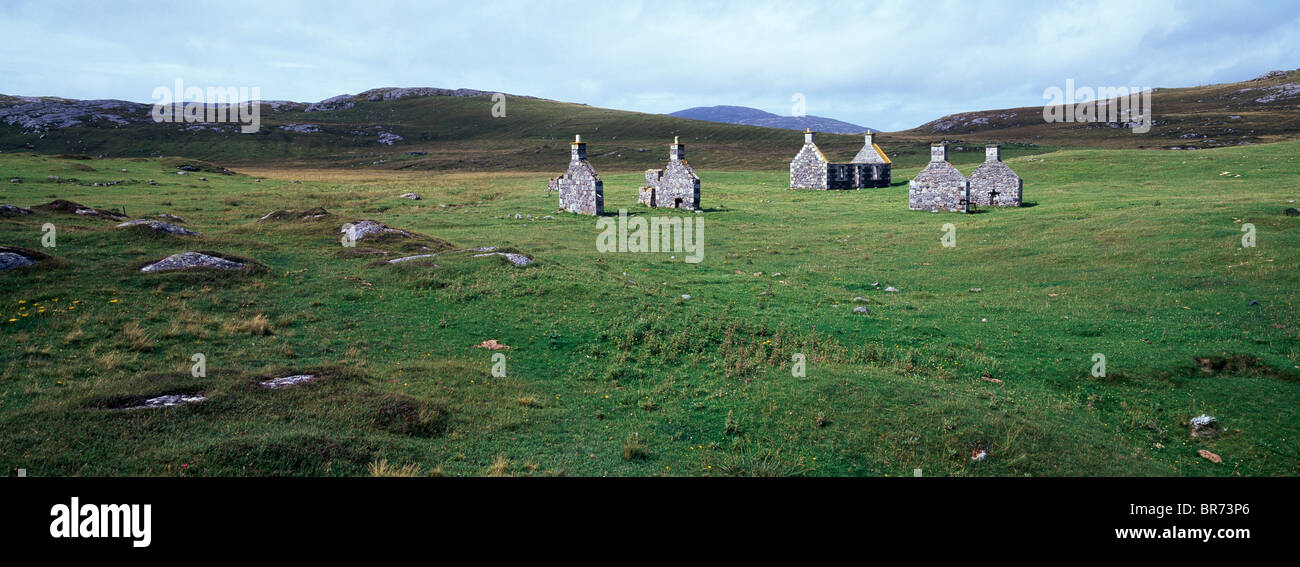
x: 580, y: 189
x: 10, y: 260
x: 1291, y: 211
x: 288, y: 381
x: 363, y: 229
x: 190, y: 260
x: 284, y: 214
x: 939, y: 187
x: 861, y: 300
x: 994, y: 183
x: 891, y: 289
x: 1204, y: 426
x: 169, y: 217
x: 516, y: 259
x: 675, y: 186
x: 976, y: 289
x: 65, y: 206
x: 159, y: 226
x: 411, y: 196
x: 13, y: 210
x: 861, y: 309
x: 170, y: 400
x: 686, y: 296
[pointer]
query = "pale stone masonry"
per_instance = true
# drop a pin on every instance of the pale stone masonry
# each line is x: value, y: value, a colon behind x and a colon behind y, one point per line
x: 994, y: 183
x: 939, y: 187
x: 580, y: 188
x: 675, y: 186
x: 811, y: 170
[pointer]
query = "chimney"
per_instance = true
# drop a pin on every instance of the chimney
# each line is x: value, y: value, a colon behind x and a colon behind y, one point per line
x: 579, y: 148
x: 808, y: 136
x: 676, y: 151
x: 938, y: 152
x: 869, y: 139
x: 992, y: 153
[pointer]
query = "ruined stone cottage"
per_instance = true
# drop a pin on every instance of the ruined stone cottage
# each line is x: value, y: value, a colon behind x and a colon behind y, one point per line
x: 811, y: 170
x: 939, y: 187
x: 993, y: 183
x: 675, y: 186
x: 580, y: 188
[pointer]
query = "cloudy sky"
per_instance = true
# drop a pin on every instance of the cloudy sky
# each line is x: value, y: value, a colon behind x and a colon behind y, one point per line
x: 884, y: 64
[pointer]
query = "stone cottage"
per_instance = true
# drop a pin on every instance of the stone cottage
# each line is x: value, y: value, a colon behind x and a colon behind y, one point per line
x: 811, y: 170
x: 993, y: 183
x: 939, y: 187
x: 675, y: 186
x: 580, y: 188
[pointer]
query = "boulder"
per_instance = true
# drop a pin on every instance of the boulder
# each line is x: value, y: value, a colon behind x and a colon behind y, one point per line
x: 13, y: 210
x: 9, y: 260
x: 362, y: 229
x: 189, y: 260
x: 158, y: 226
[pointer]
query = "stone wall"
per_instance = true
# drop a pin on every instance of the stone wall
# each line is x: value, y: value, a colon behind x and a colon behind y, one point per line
x: 939, y: 187
x: 994, y: 183
x: 580, y: 188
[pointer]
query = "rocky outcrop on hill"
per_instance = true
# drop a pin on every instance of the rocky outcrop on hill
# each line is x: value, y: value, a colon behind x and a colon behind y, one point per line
x: 158, y: 226
x: 38, y: 114
x: 65, y: 206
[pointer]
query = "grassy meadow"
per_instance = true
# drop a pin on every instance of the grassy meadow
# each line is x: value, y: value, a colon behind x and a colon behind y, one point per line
x: 1136, y: 255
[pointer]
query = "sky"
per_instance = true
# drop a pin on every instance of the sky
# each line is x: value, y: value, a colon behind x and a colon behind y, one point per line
x: 885, y: 64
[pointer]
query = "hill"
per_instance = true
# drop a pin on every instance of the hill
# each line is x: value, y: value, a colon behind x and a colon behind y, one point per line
x: 454, y: 129
x: 755, y: 117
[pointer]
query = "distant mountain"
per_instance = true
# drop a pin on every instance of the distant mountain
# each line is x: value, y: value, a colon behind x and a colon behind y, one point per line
x: 755, y: 117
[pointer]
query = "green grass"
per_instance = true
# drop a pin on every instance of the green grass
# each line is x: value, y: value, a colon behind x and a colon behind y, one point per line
x: 610, y: 372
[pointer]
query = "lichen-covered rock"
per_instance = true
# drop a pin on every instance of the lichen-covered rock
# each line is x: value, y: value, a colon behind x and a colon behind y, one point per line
x: 190, y: 260
x: 939, y: 187
x: 411, y: 196
x: 10, y: 260
x: 516, y: 259
x: 362, y: 229
x: 158, y: 226
x: 285, y: 214
x: 994, y: 183
x: 285, y: 381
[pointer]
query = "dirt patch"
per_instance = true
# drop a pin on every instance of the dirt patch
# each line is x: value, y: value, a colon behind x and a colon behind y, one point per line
x: 1237, y: 364
x: 405, y: 415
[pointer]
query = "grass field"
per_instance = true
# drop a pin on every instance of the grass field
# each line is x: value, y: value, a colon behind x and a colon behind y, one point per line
x: 1136, y: 255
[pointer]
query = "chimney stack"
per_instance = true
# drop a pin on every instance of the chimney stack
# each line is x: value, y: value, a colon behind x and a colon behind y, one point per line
x: 869, y: 139
x: 579, y: 149
x: 677, y: 150
x: 992, y: 153
x: 808, y: 136
x: 938, y: 152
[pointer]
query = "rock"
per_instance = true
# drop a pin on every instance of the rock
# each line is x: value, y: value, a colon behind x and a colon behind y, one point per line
x: 411, y: 196
x: 360, y: 230
x: 516, y: 259
x: 976, y: 289
x: 203, y: 179
x: 861, y: 300
x: 891, y: 289
x: 686, y: 296
x: 1252, y: 302
x: 189, y: 260
x: 288, y: 381
x: 284, y: 214
x: 169, y: 217
x: 170, y: 400
x: 1206, y: 454
x: 1291, y: 212
x: 409, y: 258
x: 13, y: 210
x: 65, y: 206
x: 861, y: 309
x: 10, y: 260
x: 159, y: 226
x: 1204, y: 426
x: 15, y: 180
x: 182, y: 173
